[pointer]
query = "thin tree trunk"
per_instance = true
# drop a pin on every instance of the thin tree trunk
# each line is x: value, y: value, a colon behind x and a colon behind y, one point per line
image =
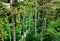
x: 45, y: 19
x: 26, y: 23
x: 18, y: 18
x: 38, y: 15
x: 9, y: 33
x: 8, y: 29
x: 42, y: 30
x: 13, y: 24
x: 1, y: 33
x: 35, y: 22
x: 13, y: 28
x: 23, y: 26
x: 36, y: 19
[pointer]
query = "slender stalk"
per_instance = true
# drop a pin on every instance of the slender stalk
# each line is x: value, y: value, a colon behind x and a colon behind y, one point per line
x: 45, y: 19
x: 36, y: 19
x: 18, y: 18
x: 26, y: 22
x: 35, y: 22
x: 1, y: 33
x: 42, y: 28
x: 13, y: 24
x: 23, y: 26
x: 38, y: 15
x: 9, y: 33
x: 8, y: 28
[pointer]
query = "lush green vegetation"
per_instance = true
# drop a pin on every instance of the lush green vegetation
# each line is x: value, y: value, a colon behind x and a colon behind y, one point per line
x: 30, y: 20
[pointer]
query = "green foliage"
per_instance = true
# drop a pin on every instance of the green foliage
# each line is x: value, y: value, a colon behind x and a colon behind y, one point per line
x: 50, y: 10
x: 32, y: 37
x: 1, y: 5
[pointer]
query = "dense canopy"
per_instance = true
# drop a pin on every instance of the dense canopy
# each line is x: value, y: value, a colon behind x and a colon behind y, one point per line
x: 29, y: 20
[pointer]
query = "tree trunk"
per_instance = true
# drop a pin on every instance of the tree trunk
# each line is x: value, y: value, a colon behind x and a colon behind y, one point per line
x: 45, y: 19
x: 23, y: 26
x: 8, y: 27
x: 26, y: 23
x: 1, y: 33
x: 13, y: 24
x: 35, y: 22
x: 13, y: 28
x: 36, y: 19
x: 42, y: 30
x: 9, y: 33
x: 9, y: 30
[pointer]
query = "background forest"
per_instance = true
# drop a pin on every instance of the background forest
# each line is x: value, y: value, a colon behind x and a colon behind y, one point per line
x: 29, y: 20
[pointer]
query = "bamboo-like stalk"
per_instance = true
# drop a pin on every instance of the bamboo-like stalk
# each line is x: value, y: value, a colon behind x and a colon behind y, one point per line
x: 13, y: 23
x: 23, y: 22
x: 36, y: 19
x: 26, y: 22
x: 42, y: 28
x: 1, y: 32
x: 9, y: 33
x: 45, y: 19
x: 18, y: 18
x: 8, y: 27
x: 38, y: 15
x: 23, y: 26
